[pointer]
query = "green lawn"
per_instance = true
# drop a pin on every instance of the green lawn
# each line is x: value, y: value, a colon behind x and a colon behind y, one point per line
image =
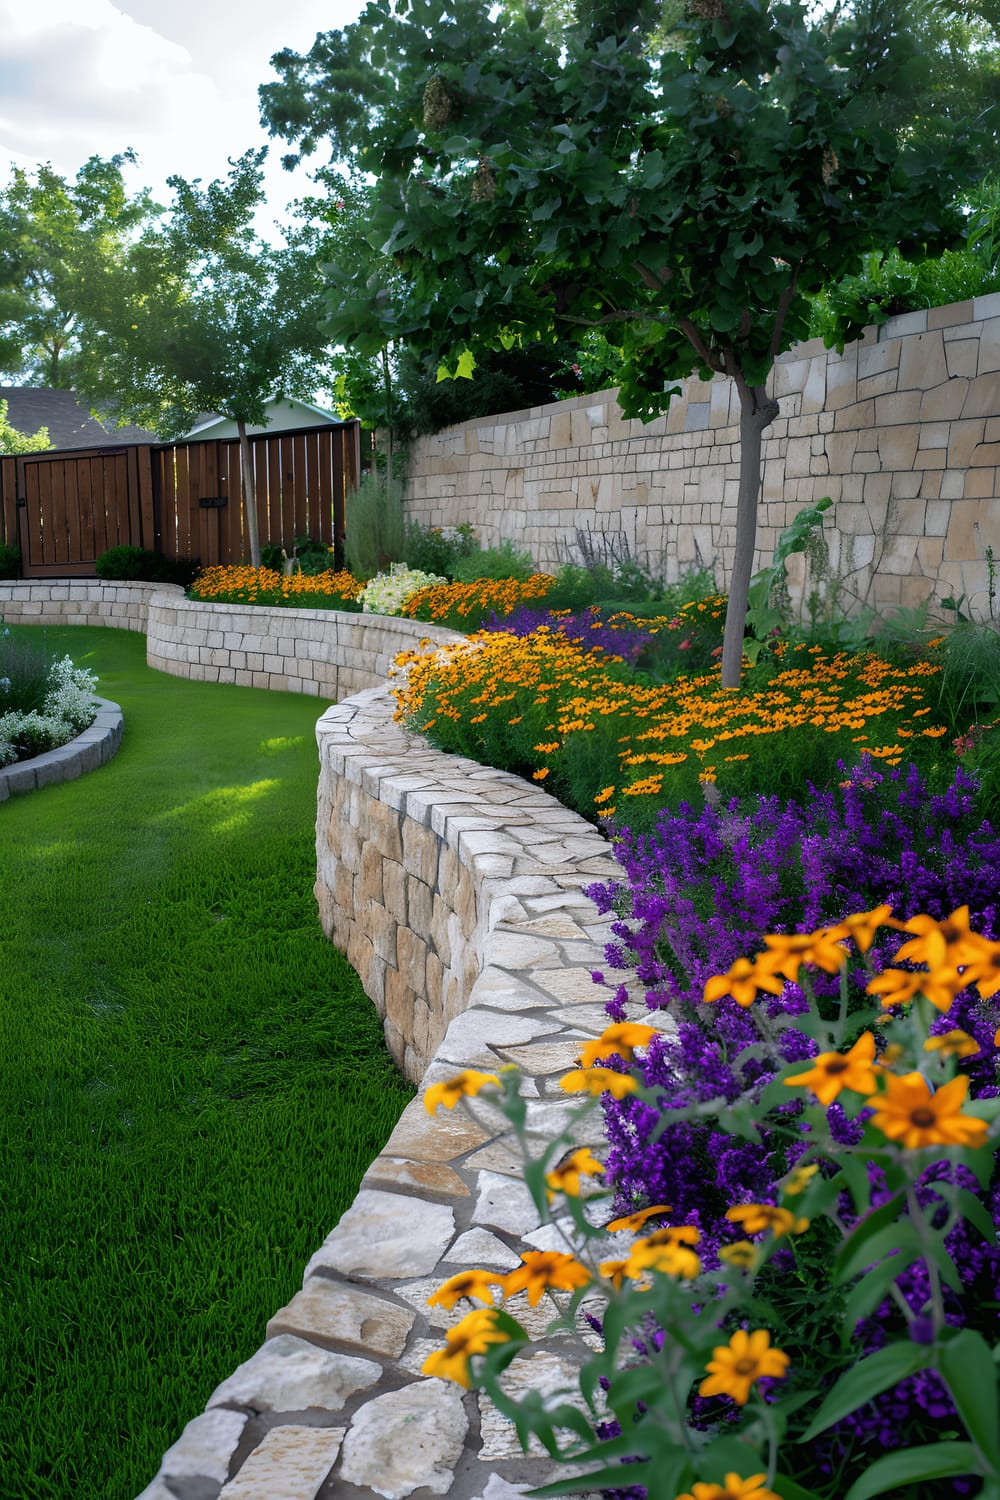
x: 192, y: 1080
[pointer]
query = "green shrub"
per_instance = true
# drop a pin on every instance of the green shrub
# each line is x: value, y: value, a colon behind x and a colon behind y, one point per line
x: 502, y: 561
x: 376, y: 531
x: 308, y: 556
x: 437, y: 549
x: 10, y: 560
x: 122, y: 564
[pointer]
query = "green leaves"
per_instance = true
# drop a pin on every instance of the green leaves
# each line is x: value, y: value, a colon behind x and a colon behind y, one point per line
x: 868, y: 1378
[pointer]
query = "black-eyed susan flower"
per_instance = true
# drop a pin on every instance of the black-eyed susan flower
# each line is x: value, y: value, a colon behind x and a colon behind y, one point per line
x: 598, y: 1081
x: 832, y: 1072
x: 469, y: 1284
x: 743, y: 1254
x: 734, y: 1488
x: 952, y: 1044
x: 474, y: 1335
x: 622, y: 1037
x: 900, y: 986
x: 744, y: 980
x: 541, y: 1270
x: 911, y: 1113
x: 667, y: 1250
x: 754, y: 1218
x: 464, y: 1085
x: 634, y: 1222
x: 735, y: 1366
x: 565, y: 1178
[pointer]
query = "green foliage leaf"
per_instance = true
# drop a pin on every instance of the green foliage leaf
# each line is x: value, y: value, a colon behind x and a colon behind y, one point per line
x: 968, y: 1367
x: 933, y: 1461
x: 868, y: 1378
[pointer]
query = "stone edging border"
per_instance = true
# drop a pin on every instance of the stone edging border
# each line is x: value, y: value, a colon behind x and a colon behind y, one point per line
x: 93, y: 748
x: 333, y: 1404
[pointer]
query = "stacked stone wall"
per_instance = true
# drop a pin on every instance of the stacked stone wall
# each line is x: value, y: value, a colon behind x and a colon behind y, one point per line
x: 901, y: 430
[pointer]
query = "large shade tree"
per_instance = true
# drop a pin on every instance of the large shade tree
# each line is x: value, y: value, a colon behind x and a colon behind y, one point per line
x: 682, y: 182
x: 204, y: 315
x: 60, y: 239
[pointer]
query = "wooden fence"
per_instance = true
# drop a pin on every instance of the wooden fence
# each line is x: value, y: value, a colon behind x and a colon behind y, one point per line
x: 63, y: 509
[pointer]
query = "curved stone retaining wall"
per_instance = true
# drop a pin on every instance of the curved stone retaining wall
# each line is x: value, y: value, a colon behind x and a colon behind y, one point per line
x: 86, y: 752
x: 325, y: 652
x: 458, y: 893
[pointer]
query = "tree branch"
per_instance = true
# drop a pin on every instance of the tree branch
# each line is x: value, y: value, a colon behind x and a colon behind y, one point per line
x: 781, y: 313
x: 694, y: 338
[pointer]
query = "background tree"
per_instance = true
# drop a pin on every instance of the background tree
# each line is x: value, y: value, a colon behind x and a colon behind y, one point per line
x: 684, y: 189
x: 13, y: 441
x: 59, y: 242
x: 203, y: 315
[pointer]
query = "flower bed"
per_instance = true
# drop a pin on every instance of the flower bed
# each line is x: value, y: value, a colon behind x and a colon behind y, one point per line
x: 43, y: 704
x: 232, y: 584
x: 608, y: 740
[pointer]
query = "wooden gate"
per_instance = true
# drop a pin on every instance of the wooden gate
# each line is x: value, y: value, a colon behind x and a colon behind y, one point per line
x: 64, y: 509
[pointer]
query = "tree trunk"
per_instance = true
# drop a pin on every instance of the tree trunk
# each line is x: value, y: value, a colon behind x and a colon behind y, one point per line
x: 757, y: 411
x: 249, y: 493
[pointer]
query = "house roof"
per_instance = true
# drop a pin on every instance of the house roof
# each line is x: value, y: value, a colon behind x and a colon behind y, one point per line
x: 209, y: 419
x: 70, y: 425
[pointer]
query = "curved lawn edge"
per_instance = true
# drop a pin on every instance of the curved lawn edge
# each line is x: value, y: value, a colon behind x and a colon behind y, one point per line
x: 90, y: 749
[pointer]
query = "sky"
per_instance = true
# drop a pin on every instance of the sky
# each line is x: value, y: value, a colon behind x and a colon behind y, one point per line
x: 176, y: 80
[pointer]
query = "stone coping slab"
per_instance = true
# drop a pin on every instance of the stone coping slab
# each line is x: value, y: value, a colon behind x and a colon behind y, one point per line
x: 93, y: 748
x: 333, y: 1404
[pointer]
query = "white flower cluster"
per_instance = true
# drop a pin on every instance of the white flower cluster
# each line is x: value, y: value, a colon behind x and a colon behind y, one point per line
x: 68, y: 707
x: 387, y: 593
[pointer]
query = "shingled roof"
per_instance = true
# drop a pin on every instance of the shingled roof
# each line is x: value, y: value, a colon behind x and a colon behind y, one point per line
x: 70, y: 425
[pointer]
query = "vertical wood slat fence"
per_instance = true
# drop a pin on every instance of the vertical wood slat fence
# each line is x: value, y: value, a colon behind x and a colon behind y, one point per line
x: 63, y: 509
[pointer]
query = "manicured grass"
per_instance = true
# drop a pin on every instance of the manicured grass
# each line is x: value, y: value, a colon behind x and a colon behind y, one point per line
x: 193, y: 1080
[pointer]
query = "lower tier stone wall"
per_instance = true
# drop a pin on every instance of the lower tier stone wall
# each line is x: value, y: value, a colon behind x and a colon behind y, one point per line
x: 324, y: 652
x: 91, y: 748
x: 458, y: 891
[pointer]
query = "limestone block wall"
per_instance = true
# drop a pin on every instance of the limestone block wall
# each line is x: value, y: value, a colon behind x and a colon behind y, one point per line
x: 902, y: 431
x: 80, y: 601
x: 327, y: 653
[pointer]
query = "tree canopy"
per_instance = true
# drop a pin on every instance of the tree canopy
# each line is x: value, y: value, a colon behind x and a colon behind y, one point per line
x: 682, y: 183
x: 202, y: 315
x: 59, y: 242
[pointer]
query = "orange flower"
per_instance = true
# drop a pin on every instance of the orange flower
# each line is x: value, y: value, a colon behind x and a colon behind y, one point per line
x: 542, y: 1269
x: 910, y: 1113
x: 756, y: 1217
x: 465, y: 1284
x: 743, y: 981
x: 735, y: 1366
x: 734, y: 1488
x: 786, y: 951
x: 952, y: 1044
x: 622, y: 1037
x: 832, y: 1072
x: 565, y: 1178
x: 899, y: 986
x: 863, y: 925
x: 474, y: 1335
x: 635, y: 1221
x: 598, y: 1081
x: 943, y: 944
x: 983, y: 968
x: 741, y: 1253
x: 464, y: 1085
x: 666, y: 1250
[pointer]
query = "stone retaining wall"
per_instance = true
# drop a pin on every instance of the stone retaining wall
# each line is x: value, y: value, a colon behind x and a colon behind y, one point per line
x: 902, y: 430
x: 459, y: 891
x: 324, y: 652
x: 94, y: 747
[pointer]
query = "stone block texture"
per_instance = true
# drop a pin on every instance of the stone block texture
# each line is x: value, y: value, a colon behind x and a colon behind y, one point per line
x: 916, y: 399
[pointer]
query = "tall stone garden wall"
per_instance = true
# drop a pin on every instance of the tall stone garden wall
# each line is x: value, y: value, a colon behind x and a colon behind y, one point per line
x: 902, y: 431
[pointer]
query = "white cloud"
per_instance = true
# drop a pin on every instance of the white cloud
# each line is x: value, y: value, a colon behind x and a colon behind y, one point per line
x: 177, y: 82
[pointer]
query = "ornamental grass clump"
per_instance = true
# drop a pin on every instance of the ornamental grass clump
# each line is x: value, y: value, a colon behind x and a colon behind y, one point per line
x: 239, y: 584
x: 809, y: 1313
x: 612, y: 743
